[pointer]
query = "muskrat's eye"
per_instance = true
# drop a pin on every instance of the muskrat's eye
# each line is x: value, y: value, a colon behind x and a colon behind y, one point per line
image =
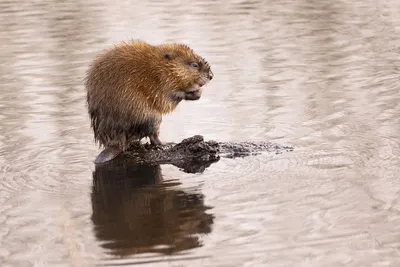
x: 194, y: 65
x: 168, y: 56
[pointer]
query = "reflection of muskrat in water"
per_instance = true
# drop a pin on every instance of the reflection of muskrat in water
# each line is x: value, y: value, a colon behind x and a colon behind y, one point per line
x: 130, y: 86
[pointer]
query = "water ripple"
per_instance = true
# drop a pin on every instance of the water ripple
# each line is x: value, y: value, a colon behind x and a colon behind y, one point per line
x: 320, y: 75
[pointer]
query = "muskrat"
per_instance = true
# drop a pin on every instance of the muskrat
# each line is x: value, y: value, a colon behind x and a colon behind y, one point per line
x: 131, y: 85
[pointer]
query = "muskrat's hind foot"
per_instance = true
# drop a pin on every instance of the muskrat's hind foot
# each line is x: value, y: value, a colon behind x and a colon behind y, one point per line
x: 155, y: 141
x: 107, y: 154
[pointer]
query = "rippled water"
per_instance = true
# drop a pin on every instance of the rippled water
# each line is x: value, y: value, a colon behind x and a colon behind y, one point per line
x: 320, y: 75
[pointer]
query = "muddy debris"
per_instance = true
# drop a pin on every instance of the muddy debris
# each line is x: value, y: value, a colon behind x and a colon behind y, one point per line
x: 194, y: 155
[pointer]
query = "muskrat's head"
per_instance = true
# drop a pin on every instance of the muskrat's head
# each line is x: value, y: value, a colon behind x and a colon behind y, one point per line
x: 188, y: 72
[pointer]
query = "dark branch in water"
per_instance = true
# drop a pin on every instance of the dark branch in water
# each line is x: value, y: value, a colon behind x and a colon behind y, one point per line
x: 195, y: 155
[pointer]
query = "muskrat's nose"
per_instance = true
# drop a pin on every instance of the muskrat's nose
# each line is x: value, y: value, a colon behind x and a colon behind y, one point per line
x: 210, y: 75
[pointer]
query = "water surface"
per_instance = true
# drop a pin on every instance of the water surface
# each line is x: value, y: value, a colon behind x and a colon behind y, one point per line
x: 320, y: 75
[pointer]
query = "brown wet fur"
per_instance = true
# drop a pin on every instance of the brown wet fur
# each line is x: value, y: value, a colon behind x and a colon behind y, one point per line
x: 131, y: 85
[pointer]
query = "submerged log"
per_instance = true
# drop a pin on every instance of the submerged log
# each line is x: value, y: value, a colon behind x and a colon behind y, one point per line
x: 193, y: 154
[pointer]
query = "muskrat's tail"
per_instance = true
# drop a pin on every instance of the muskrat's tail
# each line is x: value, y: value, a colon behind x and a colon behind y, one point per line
x: 107, y: 154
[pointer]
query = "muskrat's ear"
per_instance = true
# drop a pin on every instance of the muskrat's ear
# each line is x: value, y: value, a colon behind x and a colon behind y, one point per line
x: 168, y: 56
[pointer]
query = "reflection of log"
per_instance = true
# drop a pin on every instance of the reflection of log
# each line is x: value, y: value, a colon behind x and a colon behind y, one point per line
x: 135, y: 211
x: 194, y: 154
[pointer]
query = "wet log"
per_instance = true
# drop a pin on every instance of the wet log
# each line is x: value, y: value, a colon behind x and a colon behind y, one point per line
x: 194, y: 154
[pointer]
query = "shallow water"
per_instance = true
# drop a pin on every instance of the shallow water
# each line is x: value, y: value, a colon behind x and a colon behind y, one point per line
x: 320, y: 75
